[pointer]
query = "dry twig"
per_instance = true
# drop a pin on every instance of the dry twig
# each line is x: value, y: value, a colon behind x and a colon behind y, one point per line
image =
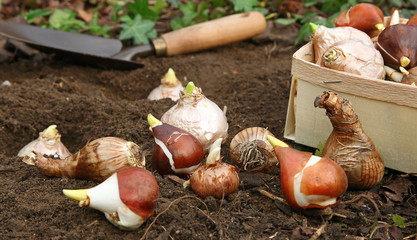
x: 166, y: 209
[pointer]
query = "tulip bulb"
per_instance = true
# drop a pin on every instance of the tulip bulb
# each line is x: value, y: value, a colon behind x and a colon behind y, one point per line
x: 127, y: 198
x: 175, y: 150
x: 198, y: 115
x: 215, y: 178
x: 170, y: 88
x: 96, y: 161
x: 48, y: 143
x: 363, y: 16
x: 308, y: 181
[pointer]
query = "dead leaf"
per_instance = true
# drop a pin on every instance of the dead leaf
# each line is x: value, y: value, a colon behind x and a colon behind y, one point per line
x: 397, y: 189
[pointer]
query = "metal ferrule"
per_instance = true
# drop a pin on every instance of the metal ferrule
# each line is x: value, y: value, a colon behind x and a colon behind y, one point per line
x: 160, y: 46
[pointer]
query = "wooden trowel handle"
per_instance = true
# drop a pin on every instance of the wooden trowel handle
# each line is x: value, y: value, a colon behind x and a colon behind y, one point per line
x: 213, y: 33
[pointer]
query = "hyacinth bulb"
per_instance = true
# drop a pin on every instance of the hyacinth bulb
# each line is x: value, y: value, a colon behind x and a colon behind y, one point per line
x: 198, y: 115
x: 308, y: 181
x: 170, y: 87
x: 127, y: 198
x: 48, y: 143
x: 175, y: 150
x: 363, y: 16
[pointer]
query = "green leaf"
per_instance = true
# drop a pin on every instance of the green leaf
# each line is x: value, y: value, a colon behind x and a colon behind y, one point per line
x: 159, y: 6
x: 189, y: 11
x: 286, y: 21
x: 65, y: 20
x: 319, y: 150
x: 97, y: 29
x: 58, y: 17
x: 398, y: 221
x: 116, y: 9
x: 33, y: 14
x: 244, y: 5
x: 141, y: 7
x: 140, y: 30
x: 219, y: 3
x: 175, y: 3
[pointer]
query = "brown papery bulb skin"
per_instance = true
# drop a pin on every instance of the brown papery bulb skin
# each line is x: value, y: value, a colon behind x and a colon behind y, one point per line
x: 398, y: 41
x: 324, y: 37
x: 412, y: 20
x: 175, y: 150
x: 251, y: 151
x: 96, y: 161
x: 348, y: 145
x: 362, y: 16
x: 217, y: 180
x: 322, y: 182
x: 354, y: 56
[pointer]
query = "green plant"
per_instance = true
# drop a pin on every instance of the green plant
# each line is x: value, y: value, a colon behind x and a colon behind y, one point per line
x: 192, y: 14
x: 138, y: 29
x: 244, y: 5
x: 327, y: 12
x: 35, y: 14
x: 398, y: 221
x: 141, y: 7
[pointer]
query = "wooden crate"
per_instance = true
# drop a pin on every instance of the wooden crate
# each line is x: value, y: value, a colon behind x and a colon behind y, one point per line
x: 387, y: 110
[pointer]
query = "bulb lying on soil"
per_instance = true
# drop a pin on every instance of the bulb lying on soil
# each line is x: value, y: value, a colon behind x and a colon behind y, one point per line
x: 170, y: 88
x: 348, y: 145
x: 198, y: 115
x: 308, y: 181
x: 215, y: 178
x: 48, y: 143
x: 251, y: 151
x: 127, y: 198
x: 96, y: 161
x: 175, y: 150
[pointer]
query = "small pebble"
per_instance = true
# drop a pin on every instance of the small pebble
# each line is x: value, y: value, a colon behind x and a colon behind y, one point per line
x: 6, y: 83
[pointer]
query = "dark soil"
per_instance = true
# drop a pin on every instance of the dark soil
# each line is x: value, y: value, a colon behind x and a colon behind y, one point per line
x: 252, y: 80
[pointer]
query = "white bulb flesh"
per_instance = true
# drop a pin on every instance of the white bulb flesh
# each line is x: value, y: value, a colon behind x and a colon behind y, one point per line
x: 200, y: 117
x: 305, y: 200
x: 105, y: 197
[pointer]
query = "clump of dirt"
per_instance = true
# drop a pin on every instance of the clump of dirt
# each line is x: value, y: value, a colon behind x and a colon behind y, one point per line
x: 86, y: 103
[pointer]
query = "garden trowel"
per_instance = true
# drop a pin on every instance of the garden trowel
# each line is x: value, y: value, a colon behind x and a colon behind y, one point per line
x: 108, y: 53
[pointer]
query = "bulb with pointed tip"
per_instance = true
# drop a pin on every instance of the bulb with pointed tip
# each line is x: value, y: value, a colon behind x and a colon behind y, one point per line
x: 215, y: 178
x: 48, y: 143
x: 127, y: 198
x: 170, y: 88
x: 96, y: 161
x: 366, y: 17
x: 308, y: 181
x: 175, y: 150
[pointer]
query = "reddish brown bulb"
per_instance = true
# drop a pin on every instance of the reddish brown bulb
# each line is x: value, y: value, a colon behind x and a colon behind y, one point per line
x: 397, y: 44
x: 412, y: 20
x: 363, y: 16
x: 175, y: 150
x: 309, y: 181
